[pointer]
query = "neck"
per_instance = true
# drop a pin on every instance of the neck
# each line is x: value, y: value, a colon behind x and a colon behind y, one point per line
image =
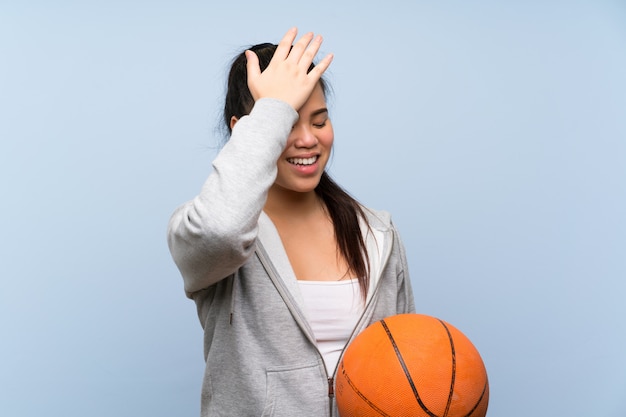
x: 285, y: 204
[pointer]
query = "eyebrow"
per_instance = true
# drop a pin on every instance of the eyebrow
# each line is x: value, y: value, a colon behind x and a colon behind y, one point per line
x: 319, y: 111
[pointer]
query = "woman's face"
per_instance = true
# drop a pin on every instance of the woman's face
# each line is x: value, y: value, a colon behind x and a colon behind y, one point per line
x: 309, y: 145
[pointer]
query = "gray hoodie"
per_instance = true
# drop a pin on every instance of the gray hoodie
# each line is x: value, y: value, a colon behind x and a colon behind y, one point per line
x: 261, y: 355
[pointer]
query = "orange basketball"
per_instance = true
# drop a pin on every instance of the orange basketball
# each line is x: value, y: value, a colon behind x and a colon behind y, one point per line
x: 412, y: 365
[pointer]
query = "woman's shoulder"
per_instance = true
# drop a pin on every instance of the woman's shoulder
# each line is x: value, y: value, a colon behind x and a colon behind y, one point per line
x: 378, y: 219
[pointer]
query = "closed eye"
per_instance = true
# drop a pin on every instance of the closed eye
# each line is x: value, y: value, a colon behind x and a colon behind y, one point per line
x: 319, y: 118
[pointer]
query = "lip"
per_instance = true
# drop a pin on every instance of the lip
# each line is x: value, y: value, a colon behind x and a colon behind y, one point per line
x: 305, y: 169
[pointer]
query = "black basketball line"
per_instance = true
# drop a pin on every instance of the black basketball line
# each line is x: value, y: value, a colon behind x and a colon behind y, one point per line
x: 360, y: 394
x: 406, y: 370
x: 479, y: 400
x: 445, y: 413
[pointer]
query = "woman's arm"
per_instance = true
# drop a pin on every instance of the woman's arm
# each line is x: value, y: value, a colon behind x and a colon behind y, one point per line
x: 211, y: 236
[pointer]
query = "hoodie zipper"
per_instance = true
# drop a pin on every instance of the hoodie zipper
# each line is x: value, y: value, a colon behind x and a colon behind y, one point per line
x: 285, y: 295
x: 233, y: 298
x: 331, y: 395
x: 302, y: 322
x: 359, y: 326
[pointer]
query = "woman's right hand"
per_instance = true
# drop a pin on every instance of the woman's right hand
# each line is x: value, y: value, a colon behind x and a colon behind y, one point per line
x: 287, y: 78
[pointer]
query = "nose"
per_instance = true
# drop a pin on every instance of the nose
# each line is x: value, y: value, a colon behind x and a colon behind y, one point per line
x: 303, y: 136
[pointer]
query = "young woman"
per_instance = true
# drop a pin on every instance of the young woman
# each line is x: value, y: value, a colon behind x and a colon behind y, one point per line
x: 284, y: 266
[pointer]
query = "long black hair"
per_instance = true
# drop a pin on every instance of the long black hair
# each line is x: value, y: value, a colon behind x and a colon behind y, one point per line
x: 343, y: 209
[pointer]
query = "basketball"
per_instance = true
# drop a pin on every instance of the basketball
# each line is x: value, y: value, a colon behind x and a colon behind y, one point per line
x: 412, y: 365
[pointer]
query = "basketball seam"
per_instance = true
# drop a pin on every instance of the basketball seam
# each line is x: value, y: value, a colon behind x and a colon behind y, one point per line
x: 406, y: 370
x: 479, y: 400
x: 452, y: 379
x: 360, y: 394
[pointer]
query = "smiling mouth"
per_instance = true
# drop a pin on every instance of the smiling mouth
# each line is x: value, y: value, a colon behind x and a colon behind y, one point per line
x: 302, y: 161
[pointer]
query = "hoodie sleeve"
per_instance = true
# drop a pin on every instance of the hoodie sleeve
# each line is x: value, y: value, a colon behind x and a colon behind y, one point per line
x: 213, y: 235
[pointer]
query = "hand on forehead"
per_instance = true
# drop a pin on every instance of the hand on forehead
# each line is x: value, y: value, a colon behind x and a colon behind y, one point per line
x: 287, y: 76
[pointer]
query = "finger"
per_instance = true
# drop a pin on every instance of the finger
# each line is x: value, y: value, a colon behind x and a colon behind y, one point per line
x: 252, y: 66
x: 310, y: 52
x: 321, y: 67
x: 299, y: 47
x: 284, y: 46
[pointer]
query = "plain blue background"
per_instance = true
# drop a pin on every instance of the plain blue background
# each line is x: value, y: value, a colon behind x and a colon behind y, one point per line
x: 494, y: 131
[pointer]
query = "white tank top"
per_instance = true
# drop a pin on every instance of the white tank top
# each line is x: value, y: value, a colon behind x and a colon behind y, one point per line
x: 333, y: 309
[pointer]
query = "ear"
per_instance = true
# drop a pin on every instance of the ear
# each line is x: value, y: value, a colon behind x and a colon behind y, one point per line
x: 233, y: 120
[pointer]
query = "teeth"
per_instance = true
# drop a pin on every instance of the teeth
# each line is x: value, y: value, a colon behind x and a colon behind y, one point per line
x: 302, y: 161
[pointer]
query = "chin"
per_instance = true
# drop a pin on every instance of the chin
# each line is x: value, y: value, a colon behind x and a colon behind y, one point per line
x: 305, y: 189
x: 301, y: 186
